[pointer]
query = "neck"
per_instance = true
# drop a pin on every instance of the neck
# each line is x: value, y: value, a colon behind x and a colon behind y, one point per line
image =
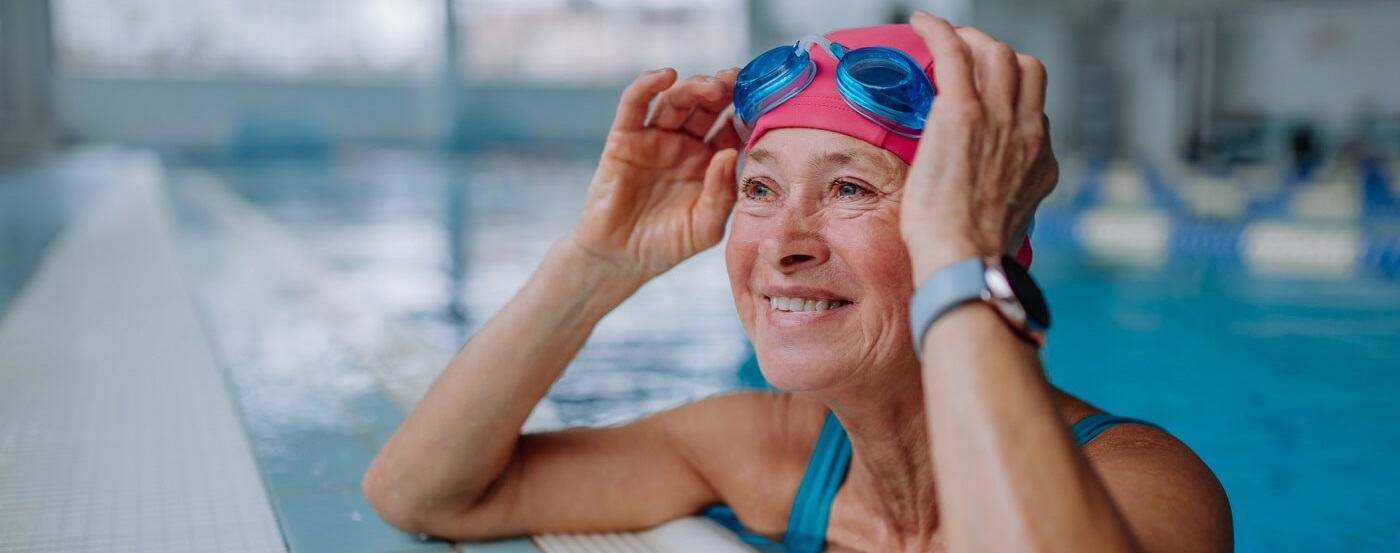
x: 890, y: 493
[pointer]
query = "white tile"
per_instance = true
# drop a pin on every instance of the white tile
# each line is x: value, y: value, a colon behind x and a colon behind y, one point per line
x: 118, y: 434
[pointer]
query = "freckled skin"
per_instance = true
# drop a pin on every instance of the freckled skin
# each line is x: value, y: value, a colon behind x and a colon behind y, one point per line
x: 829, y: 225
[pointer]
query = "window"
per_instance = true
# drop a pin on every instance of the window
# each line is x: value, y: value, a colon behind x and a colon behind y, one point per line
x: 273, y: 38
x: 597, y: 40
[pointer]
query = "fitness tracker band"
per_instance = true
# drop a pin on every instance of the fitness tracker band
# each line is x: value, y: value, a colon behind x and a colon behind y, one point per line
x: 1001, y: 282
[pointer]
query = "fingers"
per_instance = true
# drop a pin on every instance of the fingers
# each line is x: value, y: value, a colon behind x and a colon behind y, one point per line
x: 723, y: 135
x: 1031, y: 101
x: 690, y: 105
x: 969, y: 63
x: 952, y: 65
x: 702, y: 118
x: 997, y: 74
x: 984, y: 159
x: 718, y: 195
x: 636, y: 98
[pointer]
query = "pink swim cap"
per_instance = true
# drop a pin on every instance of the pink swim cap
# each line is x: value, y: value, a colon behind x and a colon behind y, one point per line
x: 820, y: 105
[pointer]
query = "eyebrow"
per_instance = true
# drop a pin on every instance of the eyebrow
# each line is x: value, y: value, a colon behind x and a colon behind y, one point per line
x: 826, y: 160
x: 760, y: 155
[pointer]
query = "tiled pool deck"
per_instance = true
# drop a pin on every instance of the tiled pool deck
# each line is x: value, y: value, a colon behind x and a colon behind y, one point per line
x: 122, y: 436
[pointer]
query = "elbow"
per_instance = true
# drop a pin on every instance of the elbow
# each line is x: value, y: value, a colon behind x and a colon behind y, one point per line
x: 388, y: 501
x: 416, y: 514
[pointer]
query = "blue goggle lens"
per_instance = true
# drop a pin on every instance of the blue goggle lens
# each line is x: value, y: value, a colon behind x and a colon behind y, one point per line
x: 771, y: 79
x: 887, y: 86
x: 881, y: 83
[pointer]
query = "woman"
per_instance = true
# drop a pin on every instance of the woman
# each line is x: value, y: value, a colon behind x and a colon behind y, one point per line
x: 874, y: 443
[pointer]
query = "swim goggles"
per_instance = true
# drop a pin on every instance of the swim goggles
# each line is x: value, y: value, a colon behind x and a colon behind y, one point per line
x: 881, y: 83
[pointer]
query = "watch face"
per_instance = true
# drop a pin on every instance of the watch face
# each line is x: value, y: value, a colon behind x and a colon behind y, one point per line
x: 1027, y: 291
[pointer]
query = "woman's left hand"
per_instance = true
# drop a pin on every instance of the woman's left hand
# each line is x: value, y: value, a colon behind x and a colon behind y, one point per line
x: 984, y: 162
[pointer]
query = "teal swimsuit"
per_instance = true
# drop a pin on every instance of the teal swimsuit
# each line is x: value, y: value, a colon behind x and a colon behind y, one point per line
x: 806, y: 530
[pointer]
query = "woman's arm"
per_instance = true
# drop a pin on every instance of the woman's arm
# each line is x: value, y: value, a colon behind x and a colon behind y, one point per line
x: 458, y: 465
x: 1012, y: 479
x: 463, y: 434
x: 1010, y: 476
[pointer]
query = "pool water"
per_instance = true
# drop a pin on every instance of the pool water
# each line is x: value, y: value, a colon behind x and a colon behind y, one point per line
x: 1284, y: 387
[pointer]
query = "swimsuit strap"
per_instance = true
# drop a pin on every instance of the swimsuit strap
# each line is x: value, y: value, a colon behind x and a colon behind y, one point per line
x: 1091, y: 426
x: 806, y: 530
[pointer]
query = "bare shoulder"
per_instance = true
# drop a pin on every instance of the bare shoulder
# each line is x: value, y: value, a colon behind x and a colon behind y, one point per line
x: 752, y: 447
x: 1169, y: 496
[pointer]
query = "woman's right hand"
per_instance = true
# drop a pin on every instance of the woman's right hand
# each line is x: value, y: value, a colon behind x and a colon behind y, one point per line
x: 662, y: 193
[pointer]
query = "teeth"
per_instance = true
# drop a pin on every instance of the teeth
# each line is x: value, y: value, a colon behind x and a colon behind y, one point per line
x: 801, y: 304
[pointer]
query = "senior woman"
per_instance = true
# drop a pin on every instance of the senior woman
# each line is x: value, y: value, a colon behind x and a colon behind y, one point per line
x: 886, y: 435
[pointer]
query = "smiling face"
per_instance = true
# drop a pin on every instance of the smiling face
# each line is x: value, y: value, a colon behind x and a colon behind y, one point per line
x: 820, y: 275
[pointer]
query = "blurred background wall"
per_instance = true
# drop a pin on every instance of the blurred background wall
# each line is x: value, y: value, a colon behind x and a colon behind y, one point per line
x: 1200, y: 79
x: 26, y: 82
x: 212, y: 73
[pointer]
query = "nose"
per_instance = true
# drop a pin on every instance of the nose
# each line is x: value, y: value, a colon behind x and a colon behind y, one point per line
x: 795, y: 242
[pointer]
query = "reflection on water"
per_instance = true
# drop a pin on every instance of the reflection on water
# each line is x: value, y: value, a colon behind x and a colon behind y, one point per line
x: 303, y: 263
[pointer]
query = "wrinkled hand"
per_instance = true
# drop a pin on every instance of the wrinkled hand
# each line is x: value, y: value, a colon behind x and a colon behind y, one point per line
x: 662, y: 193
x: 984, y: 162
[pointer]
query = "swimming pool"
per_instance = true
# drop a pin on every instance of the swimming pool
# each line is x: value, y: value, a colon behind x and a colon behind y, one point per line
x: 1283, y: 386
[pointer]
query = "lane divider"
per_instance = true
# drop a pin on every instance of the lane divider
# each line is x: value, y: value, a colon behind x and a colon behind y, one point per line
x: 1343, y: 223
x: 1273, y: 247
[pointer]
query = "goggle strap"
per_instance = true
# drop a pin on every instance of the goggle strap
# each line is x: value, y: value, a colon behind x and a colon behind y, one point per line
x: 806, y: 42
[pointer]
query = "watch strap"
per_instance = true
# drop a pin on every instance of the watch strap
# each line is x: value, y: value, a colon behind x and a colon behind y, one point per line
x: 943, y: 290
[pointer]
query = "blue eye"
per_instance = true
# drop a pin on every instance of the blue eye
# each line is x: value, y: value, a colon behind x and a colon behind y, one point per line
x: 847, y: 189
x: 756, y: 190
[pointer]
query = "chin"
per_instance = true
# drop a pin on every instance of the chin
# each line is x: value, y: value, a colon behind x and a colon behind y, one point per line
x: 800, y: 371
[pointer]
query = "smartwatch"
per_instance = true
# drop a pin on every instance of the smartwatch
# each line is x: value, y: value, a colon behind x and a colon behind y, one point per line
x: 999, y: 281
